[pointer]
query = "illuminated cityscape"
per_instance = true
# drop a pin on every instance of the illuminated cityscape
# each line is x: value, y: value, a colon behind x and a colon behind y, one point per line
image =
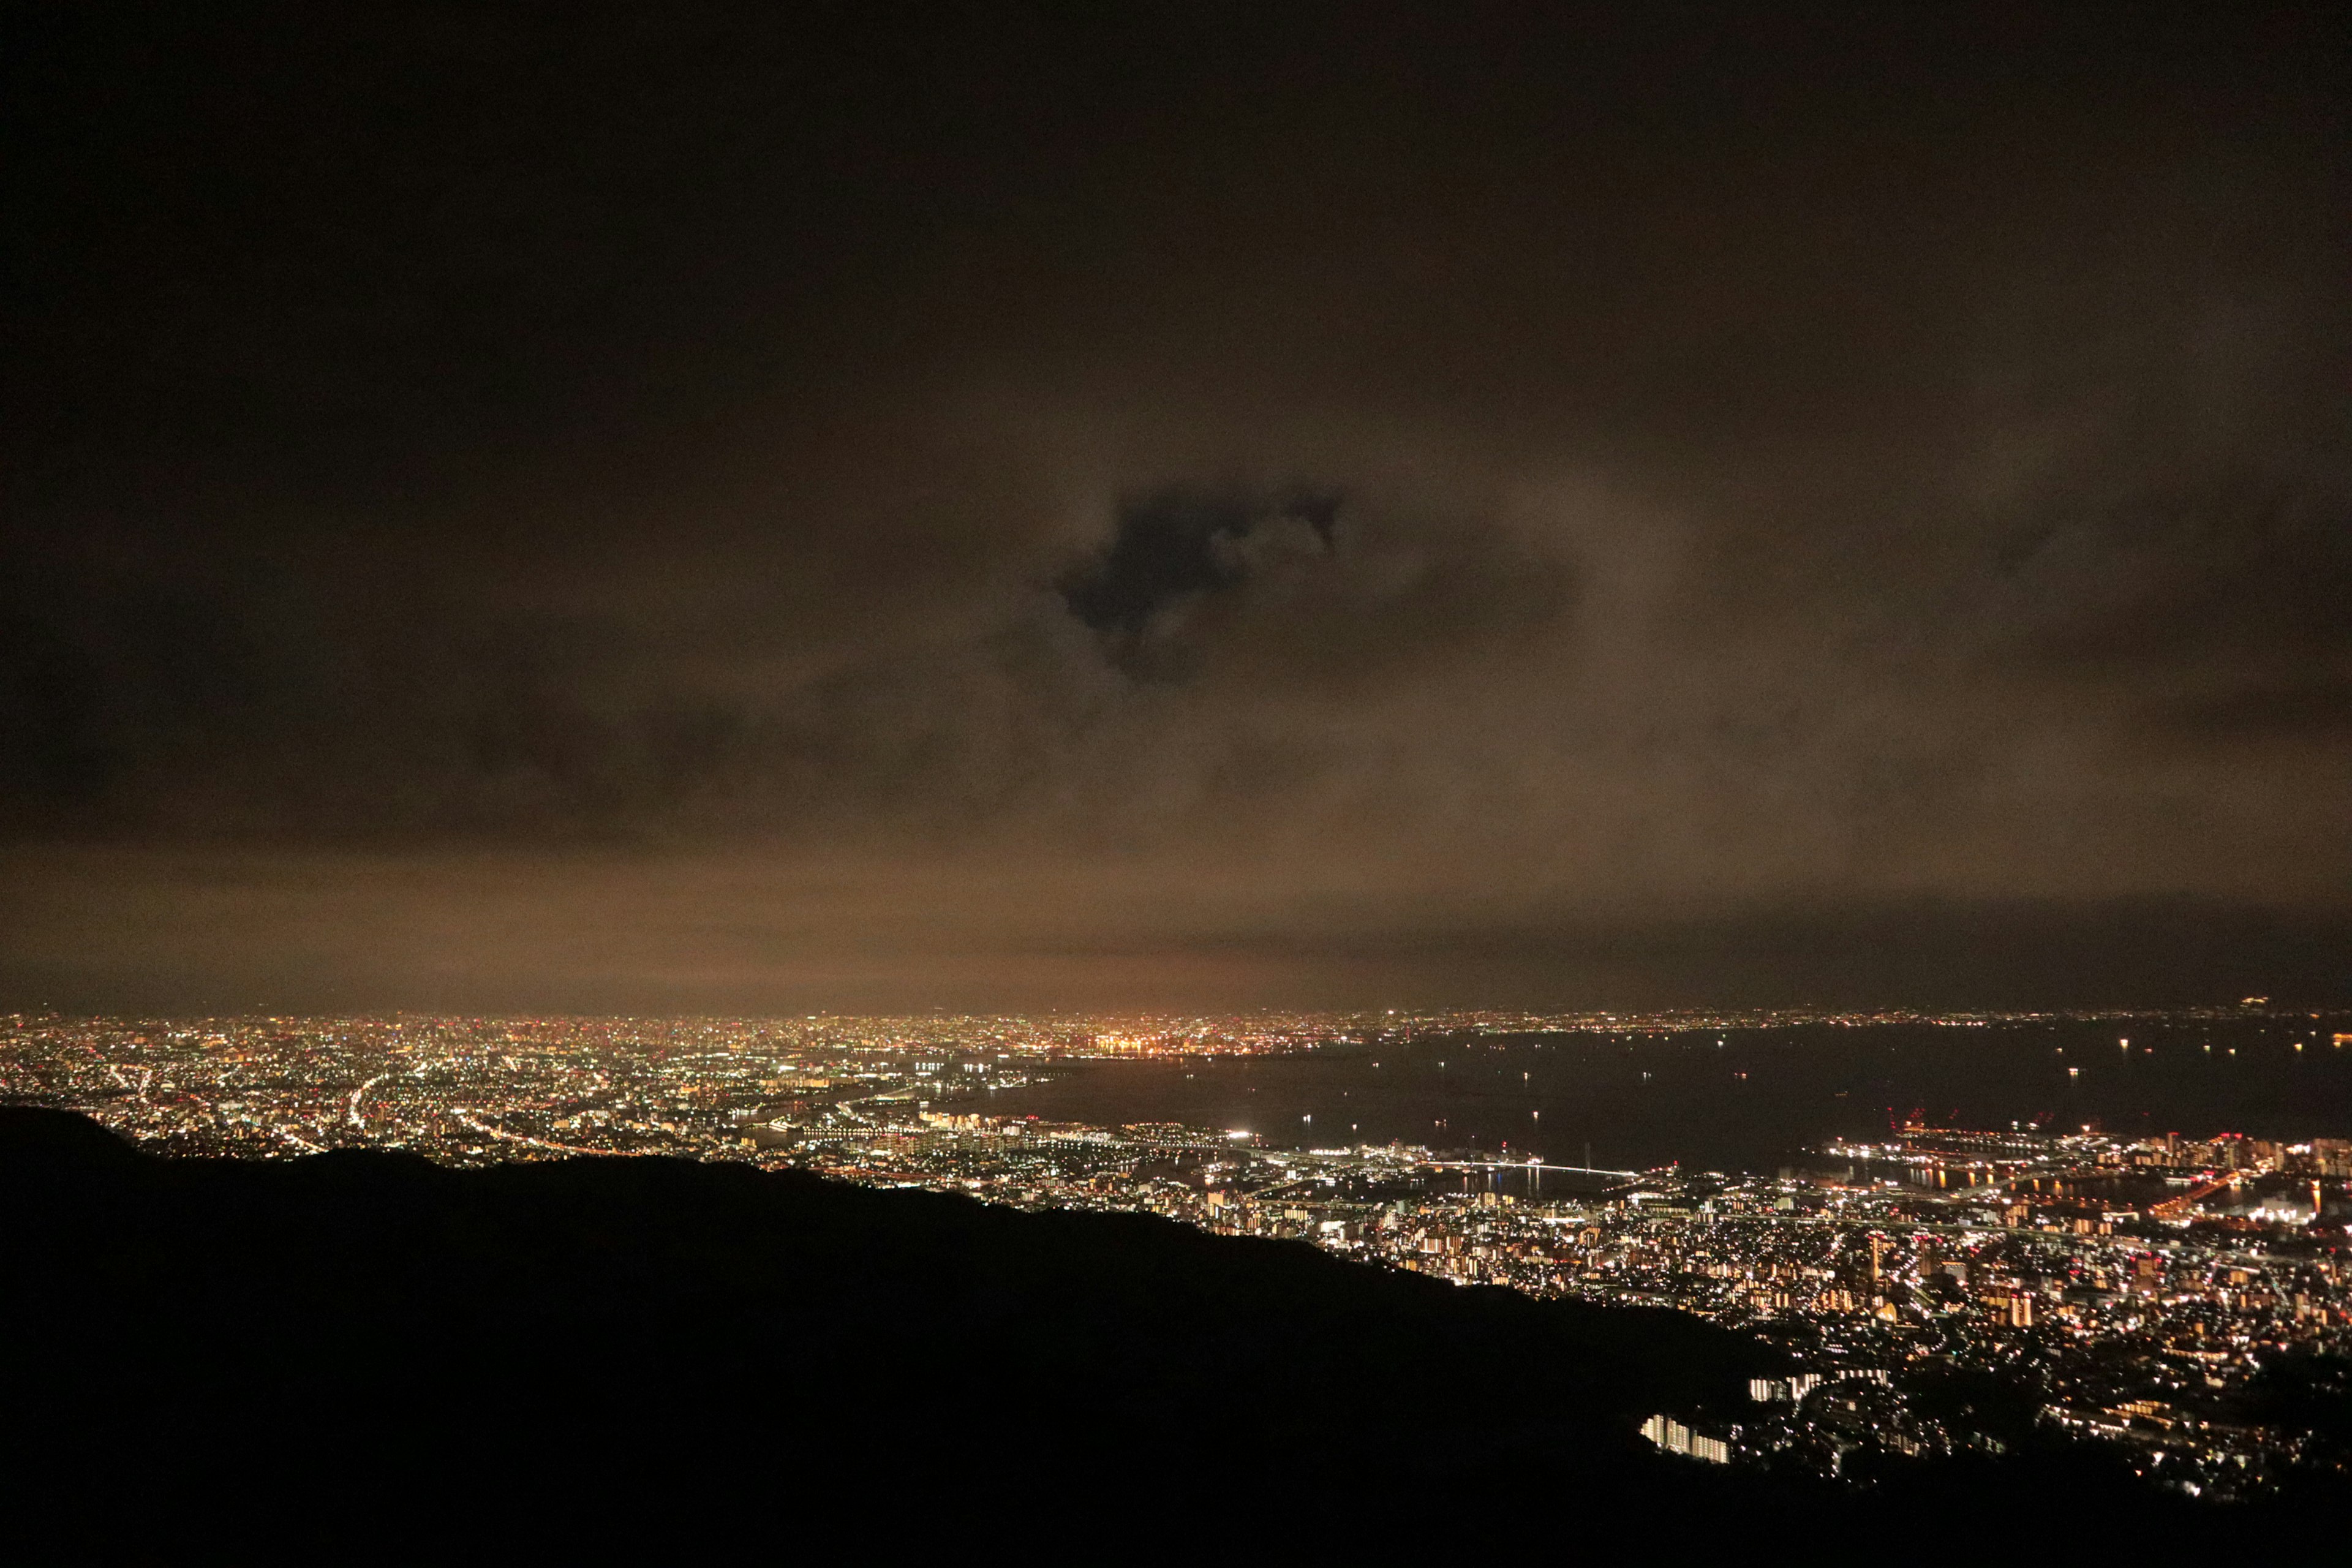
x: 1933, y: 1290
x: 1446, y: 782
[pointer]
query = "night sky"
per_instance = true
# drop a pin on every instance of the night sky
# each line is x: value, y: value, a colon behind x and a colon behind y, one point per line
x: 856, y: 506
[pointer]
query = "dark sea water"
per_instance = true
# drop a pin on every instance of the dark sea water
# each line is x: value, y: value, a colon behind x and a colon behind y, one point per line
x: 1738, y: 1098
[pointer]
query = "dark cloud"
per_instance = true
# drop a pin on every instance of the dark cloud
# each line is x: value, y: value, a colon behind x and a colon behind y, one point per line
x: 1176, y: 542
x: 1192, y: 486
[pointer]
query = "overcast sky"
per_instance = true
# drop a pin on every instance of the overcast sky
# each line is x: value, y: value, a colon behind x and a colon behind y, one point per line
x: 645, y: 507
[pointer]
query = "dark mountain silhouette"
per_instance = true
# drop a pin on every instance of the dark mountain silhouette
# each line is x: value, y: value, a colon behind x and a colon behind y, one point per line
x: 365, y: 1354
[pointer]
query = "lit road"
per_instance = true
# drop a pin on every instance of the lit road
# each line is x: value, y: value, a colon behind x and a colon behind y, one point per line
x: 351, y: 1112
x: 484, y: 1128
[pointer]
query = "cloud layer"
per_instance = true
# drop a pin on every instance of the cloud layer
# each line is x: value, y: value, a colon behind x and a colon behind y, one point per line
x: 1189, y: 499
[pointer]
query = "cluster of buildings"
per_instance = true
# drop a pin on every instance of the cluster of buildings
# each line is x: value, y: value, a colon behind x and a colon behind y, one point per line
x: 1943, y: 1289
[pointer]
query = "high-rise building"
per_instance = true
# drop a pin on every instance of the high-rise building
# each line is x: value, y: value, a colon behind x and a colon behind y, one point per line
x: 1677, y: 1438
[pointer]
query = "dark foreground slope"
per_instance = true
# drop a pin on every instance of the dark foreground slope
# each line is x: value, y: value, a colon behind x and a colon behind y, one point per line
x: 363, y: 1354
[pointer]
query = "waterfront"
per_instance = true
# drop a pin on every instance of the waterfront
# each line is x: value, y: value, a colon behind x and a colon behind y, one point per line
x: 2162, y: 1287
x: 1737, y: 1098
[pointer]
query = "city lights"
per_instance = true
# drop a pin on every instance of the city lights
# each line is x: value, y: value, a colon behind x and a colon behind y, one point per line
x: 2137, y: 1286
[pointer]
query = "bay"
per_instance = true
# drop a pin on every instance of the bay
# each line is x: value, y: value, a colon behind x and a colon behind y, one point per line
x: 1737, y: 1098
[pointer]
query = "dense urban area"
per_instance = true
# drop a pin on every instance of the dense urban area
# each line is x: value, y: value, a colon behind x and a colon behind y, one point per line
x: 2180, y: 1300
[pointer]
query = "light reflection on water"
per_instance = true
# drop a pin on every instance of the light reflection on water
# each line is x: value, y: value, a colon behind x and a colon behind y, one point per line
x: 1743, y: 1104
